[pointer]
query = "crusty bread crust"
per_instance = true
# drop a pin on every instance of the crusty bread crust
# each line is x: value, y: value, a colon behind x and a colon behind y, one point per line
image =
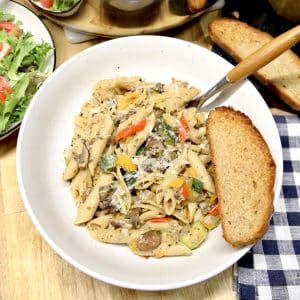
x: 240, y: 121
x: 219, y: 31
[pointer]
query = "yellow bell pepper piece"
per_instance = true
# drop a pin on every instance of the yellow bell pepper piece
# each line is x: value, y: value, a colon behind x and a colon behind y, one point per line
x: 133, y: 245
x: 126, y: 163
x: 127, y: 99
x: 191, y: 172
x: 117, y: 216
x: 177, y: 182
x: 211, y: 199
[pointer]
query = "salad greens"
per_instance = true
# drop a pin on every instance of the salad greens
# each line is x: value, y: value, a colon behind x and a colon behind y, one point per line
x: 168, y: 133
x: 6, y: 16
x: 197, y: 185
x: 130, y: 179
x: 140, y: 151
x: 57, y: 5
x: 62, y: 5
x: 108, y: 162
x: 21, y: 67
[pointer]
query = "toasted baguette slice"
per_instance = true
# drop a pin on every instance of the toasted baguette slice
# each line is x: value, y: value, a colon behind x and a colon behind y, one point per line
x: 244, y: 173
x: 240, y: 40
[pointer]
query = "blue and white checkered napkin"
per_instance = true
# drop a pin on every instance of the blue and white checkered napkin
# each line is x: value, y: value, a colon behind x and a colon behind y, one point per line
x: 271, y: 270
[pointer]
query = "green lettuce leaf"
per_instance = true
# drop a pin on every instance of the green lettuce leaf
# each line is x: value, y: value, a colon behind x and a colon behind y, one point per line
x: 62, y: 5
x: 22, y: 50
x: 19, y: 111
x: 24, y: 68
x: 35, y: 59
x: 12, y: 100
x: 4, y: 16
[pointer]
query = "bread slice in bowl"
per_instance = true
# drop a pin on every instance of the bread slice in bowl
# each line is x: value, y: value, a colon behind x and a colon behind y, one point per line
x: 244, y: 173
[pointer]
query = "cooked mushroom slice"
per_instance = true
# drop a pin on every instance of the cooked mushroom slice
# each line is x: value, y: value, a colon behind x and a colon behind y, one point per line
x: 81, y: 185
x: 117, y: 223
x: 105, y: 195
x: 159, y: 87
x: 83, y: 157
x: 80, y: 153
x: 154, y: 147
x: 150, y: 240
x: 134, y: 217
x: 71, y: 170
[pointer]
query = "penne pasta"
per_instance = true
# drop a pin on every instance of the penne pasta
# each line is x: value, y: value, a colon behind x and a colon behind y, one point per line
x: 99, y: 144
x: 191, y: 209
x: 202, y: 173
x: 145, y: 182
x: 101, y: 221
x: 130, y: 146
x: 81, y: 185
x: 71, y: 170
x: 169, y: 202
x: 108, y: 235
x: 173, y: 250
x: 150, y: 215
x: 87, y: 209
x: 139, y: 166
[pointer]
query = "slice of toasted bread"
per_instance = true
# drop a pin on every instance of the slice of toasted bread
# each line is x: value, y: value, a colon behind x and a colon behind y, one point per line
x: 240, y: 40
x: 244, y: 173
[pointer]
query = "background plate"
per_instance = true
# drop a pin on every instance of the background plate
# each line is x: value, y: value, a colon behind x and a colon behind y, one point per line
x: 32, y: 23
x: 93, y: 17
x: 47, y: 130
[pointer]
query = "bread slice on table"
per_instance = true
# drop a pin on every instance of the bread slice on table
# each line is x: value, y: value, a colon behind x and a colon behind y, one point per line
x: 240, y: 40
x: 244, y: 173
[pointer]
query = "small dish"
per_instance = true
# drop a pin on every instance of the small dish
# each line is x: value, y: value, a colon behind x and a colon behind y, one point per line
x: 30, y: 22
x: 47, y: 131
x: 93, y: 19
x: 57, y: 13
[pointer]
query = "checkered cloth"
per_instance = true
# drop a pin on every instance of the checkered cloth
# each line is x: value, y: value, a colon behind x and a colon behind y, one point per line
x: 271, y: 270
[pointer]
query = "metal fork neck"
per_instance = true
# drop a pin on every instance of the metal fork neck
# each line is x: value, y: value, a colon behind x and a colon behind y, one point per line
x: 218, y: 87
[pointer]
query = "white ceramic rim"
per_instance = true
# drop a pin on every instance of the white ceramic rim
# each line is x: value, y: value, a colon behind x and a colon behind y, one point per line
x: 67, y: 257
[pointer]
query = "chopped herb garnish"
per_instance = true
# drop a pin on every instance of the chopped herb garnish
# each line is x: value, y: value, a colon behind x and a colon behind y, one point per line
x: 108, y: 162
x: 197, y: 185
x: 130, y: 179
x: 168, y: 133
x: 140, y: 151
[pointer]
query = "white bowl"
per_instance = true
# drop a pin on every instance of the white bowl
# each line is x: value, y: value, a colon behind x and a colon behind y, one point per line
x: 47, y: 130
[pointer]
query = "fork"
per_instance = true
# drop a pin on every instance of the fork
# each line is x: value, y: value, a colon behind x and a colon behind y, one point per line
x: 252, y: 63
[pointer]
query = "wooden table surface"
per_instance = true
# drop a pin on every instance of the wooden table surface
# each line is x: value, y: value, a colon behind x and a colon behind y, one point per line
x: 29, y: 268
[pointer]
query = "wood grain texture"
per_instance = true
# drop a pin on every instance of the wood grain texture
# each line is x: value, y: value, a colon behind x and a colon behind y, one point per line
x: 30, y: 269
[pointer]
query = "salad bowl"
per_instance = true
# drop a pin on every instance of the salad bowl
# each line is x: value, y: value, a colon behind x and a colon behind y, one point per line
x: 29, y: 59
x: 57, y: 8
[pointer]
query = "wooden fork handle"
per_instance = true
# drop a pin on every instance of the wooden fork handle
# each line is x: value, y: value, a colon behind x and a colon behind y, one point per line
x: 264, y: 55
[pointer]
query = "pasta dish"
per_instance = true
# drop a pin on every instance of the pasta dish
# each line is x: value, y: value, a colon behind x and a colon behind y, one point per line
x: 139, y: 167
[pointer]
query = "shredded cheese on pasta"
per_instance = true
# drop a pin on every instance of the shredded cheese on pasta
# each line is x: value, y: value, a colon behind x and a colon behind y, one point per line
x: 139, y: 167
